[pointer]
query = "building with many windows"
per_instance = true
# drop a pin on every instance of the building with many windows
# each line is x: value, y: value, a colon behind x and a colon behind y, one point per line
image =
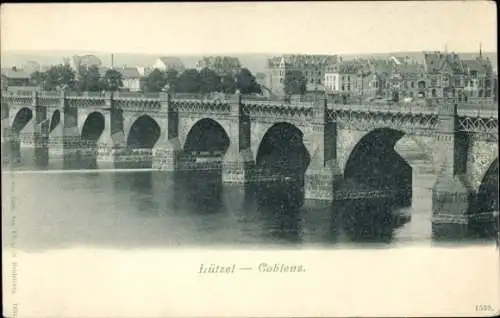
x: 222, y: 65
x: 359, y: 78
x: 312, y: 67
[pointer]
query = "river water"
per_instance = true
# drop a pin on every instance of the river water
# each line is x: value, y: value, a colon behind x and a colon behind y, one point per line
x: 107, y: 208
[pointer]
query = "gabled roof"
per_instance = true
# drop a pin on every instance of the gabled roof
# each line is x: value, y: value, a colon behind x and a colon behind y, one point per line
x: 479, y: 65
x: 381, y: 66
x: 436, y: 62
x: 405, y: 69
x: 170, y: 60
x: 129, y: 72
x: 302, y: 60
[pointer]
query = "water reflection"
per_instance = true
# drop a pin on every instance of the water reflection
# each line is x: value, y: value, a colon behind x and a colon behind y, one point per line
x: 366, y: 220
x: 202, y: 191
x: 195, y: 208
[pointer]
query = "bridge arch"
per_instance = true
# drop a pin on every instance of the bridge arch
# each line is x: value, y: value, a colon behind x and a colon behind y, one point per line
x: 282, y: 149
x: 487, y: 196
x: 22, y: 118
x: 143, y: 133
x: 375, y: 164
x: 55, y: 120
x: 92, y: 128
x: 207, y: 135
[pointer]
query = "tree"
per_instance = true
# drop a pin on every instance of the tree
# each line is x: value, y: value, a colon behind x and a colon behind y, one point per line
x: 111, y: 81
x: 172, y: 79
x: 37, y: 78
x: 89, y: 79
x: 295, y: 83
x: 228, y: 84
x: 155, y: 81
x: 246, y: 82
x: 189, y: 81
x: 59, y: 76
x: 209, y: 81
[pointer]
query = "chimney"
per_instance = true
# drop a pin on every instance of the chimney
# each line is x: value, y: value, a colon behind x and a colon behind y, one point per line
x: 112, y: 61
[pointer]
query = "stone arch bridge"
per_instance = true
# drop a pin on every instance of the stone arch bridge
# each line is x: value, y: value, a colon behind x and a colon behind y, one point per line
x: 450, y: 148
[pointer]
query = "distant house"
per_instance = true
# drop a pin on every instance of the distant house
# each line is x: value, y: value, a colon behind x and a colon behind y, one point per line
x: 144, y: 71
x: 131, y: 78
x: 165, y: 63
x: 15, y: 77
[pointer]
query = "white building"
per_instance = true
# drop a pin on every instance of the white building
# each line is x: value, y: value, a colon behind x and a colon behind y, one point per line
x: 131, y: 78
x: 165, y: 63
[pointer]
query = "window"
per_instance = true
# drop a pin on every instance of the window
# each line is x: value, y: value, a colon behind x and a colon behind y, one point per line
x: 412, y: 84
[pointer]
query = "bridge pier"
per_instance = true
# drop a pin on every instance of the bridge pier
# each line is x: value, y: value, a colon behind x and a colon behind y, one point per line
x: 71, y: 135
x: 6, y: 133
x: 237, y: 167
x: 451, y: 201
x: 166, y: 155
x: 41, y: 133
x: 319, y: 185
x: 168, y: 150
x: 452, y: 193
x: 323, y: 175
x: 238, y: 163
x: 105, y: 145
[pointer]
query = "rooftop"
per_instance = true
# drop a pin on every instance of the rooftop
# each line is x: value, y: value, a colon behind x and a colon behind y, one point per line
x: 15, y: 73
x: 129, y: 72
x: 170, y: 60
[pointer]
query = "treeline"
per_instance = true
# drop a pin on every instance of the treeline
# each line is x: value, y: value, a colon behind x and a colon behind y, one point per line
x: 88, y: 79
x: 204, y: 81
x: 190, y: 81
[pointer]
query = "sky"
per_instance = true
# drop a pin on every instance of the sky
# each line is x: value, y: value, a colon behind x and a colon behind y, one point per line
x: 265, y: 27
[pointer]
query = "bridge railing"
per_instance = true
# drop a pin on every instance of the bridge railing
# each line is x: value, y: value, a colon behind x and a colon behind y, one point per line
x: 18, y: 93
x: 385, y: 108
x: 482, y: 112
x: 136, y: 94
x: 202, y: 96
x: 86, y: 94
x: 51, y: 94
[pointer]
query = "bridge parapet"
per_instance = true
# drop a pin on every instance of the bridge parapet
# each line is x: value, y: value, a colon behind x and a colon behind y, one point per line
x: 18, y: 98
x: 86, y: 95
x: 408, y: 108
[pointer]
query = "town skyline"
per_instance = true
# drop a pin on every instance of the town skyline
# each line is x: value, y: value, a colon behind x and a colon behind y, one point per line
x: 255, y: 61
